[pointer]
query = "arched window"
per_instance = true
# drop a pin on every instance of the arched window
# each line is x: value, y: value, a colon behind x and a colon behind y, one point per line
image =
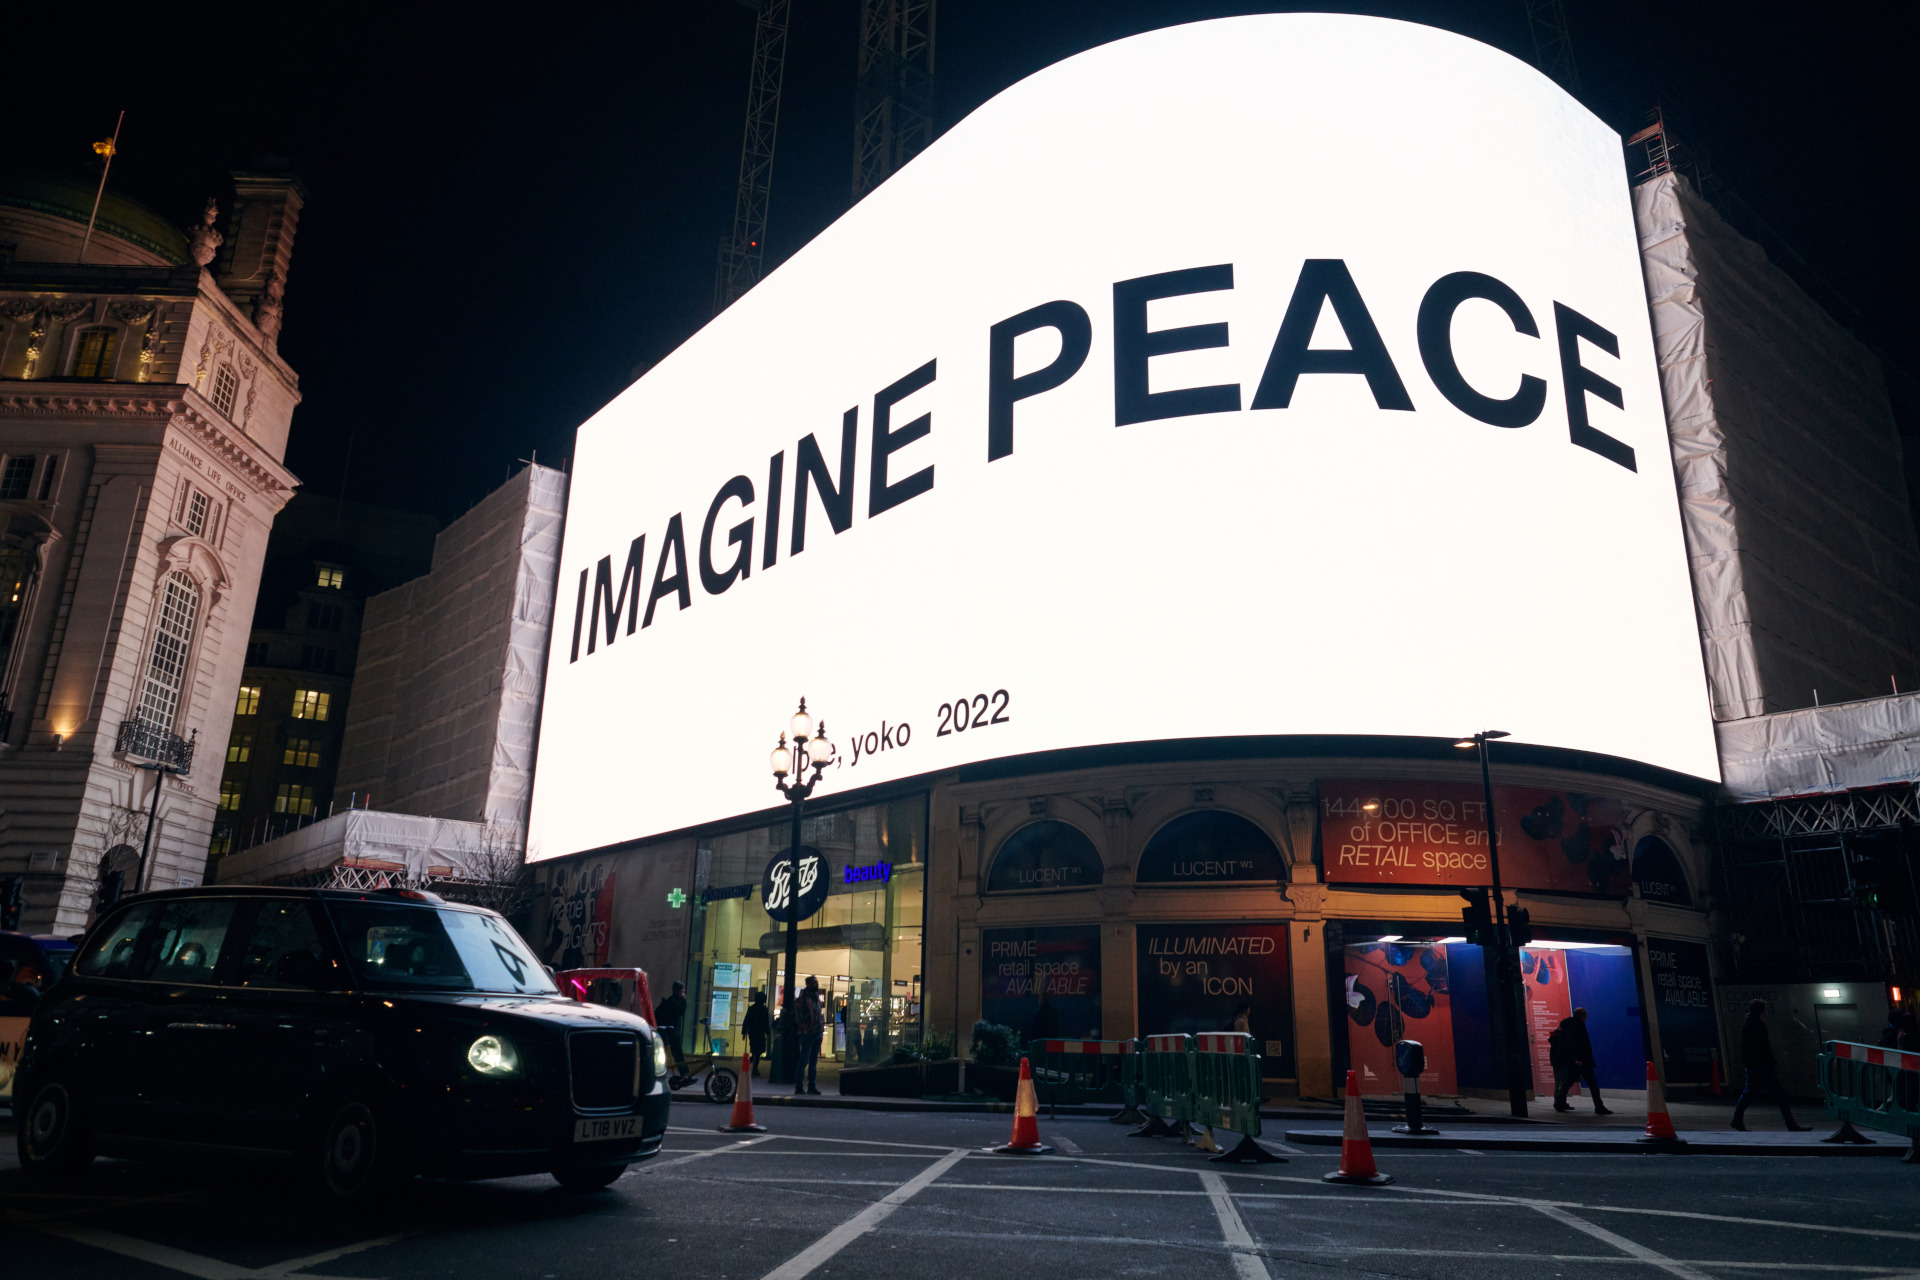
x: 225, y: 385
x: 93, y: 354
x: 172, y: 642
x: 1209, y: 847
x: 1657, y: 870
x: 1045, y: 855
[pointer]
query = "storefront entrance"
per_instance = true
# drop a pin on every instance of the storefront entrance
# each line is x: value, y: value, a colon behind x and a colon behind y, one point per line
x: 863, y: 945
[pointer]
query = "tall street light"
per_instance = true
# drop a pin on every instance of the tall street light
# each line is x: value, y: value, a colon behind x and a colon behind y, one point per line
x: 810, y: 749
x: 1507, y: 1009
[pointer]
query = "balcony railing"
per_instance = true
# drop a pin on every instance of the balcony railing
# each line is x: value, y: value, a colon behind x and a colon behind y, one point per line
x: 143, y: 741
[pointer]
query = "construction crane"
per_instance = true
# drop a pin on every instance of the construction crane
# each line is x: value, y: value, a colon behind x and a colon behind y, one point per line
x: 892, y: 120
x: 743, y: 253
x: 893, y: 100
x: 1552, y: 48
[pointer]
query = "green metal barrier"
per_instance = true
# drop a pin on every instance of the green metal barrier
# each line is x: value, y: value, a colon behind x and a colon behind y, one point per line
x: 1165, y: 1085
x: 1226, y: 1093
x: 1078, y: 1071
x: 1878, y: 1088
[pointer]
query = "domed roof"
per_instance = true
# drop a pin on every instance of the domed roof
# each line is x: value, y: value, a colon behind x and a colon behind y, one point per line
x: 121, y: 216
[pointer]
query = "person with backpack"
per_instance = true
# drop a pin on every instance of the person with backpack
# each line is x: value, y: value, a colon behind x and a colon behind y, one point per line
x: 1570, y: 1051
x: 755, y: 1027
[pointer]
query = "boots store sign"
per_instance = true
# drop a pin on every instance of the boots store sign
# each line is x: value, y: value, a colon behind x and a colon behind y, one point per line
x: 1208, y: 383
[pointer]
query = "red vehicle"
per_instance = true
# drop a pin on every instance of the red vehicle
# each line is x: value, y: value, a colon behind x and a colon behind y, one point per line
x: 627, y: 989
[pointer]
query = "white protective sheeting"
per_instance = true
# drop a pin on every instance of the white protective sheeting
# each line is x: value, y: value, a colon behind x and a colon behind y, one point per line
x: 362, y: 837
x: 1699, y: 449
x: 510, y: 784
x: 1870, y: 743
x: 1789, y: 466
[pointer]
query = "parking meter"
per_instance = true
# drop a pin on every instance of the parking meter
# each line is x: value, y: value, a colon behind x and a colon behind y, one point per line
x: 1411, y: 1059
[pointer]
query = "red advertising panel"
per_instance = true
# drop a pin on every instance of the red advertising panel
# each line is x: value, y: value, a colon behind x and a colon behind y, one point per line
x: 1544, y: 978
x: 1397, y: 992
x: 1435, y: 833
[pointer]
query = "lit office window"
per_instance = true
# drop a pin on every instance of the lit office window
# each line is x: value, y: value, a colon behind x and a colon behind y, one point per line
x: 240, y: 748
x: 93, y: 354
x: 332, y: 578
x: 229, y: 795
x: 310, y: 704
x: 293, y: 798
x: 303, y: 752
x: 249, y: 702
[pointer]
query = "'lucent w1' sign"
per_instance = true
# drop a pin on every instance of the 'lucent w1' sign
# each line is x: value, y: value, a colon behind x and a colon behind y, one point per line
x: 1209, y: 383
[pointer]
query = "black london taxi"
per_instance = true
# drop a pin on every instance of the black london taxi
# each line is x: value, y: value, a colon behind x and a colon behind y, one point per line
x: 366, y: 1037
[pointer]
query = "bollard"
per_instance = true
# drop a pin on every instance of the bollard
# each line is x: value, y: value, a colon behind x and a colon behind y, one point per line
x: 1411, y: 1059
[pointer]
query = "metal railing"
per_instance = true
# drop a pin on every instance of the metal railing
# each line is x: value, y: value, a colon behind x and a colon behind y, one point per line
x: 143, y: 741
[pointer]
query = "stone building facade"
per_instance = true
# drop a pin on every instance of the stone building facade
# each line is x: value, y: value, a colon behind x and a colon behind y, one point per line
x: 144, y: 412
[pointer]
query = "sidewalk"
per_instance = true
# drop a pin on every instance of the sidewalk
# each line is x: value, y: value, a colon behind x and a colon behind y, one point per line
x: 1617, y: 1139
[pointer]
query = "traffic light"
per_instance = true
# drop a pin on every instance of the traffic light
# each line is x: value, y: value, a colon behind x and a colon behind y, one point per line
x: 1477, y: 915
x: 1520, y: 926
x: 1879, y: 866
x: 12, y: 903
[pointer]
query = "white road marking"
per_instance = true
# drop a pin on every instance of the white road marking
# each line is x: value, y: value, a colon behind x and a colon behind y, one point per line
x: 1624, y: 1245
x: 856, y: 1142
x: 810, y: 1259
x: 1067, y: 1144
x: 656, y: 1163
x: 1469, y: 1151
x: 1247, y: 1262
x: 194, y: 1264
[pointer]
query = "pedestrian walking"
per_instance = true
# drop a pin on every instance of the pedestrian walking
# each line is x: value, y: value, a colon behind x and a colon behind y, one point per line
x: 1242, y: 1018
x: 1756, y: 1057
x: 668, y: 1015
x: 755, y: 1027
x: 810, y: 1021
x: 1570, y: 1051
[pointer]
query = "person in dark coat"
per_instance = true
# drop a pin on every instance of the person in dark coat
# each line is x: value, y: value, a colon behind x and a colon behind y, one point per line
x: 668, y: 1016
x: 1756, y: 1056
x: 1570, y: 1050
x: 755, y: 1026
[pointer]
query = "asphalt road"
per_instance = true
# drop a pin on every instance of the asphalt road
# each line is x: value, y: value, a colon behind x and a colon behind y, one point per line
x: 862, y: 1194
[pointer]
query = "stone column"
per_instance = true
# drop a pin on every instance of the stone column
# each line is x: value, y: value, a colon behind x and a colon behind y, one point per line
x: 1312, y: 1025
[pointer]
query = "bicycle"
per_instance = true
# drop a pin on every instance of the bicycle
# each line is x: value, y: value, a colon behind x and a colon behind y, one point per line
x: 722, y: 1082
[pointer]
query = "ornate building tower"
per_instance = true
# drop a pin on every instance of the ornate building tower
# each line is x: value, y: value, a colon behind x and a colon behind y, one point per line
x: 144, y: 411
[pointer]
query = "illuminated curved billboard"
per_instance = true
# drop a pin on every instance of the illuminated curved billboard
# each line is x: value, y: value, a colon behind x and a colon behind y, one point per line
x: 1287, y: 374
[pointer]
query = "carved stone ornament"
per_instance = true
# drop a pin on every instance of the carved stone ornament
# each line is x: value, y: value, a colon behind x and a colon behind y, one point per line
x: 269, y: 309
x: 133, y: 314
x: 204, y: 240
x: 1307, y: 899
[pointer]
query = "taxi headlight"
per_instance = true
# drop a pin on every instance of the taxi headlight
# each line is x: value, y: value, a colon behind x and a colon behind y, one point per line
x: 492, y: 1056
x: 659, y: 1055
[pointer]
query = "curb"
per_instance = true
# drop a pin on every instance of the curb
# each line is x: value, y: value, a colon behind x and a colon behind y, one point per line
x: 1623, y: 1145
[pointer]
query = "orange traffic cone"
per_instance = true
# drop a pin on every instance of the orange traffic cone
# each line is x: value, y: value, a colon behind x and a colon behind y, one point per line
x: 1026, y: 1120
x: 1659, y: 1123
x: 1717, y: 1087
x: 742, y: 1121
x: 1356, y: 1151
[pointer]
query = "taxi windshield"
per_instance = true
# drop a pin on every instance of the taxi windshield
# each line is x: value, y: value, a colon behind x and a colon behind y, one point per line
x: 399, y: 947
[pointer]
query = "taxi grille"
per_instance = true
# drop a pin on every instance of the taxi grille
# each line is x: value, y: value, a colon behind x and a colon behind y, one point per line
x: 605, y: 1066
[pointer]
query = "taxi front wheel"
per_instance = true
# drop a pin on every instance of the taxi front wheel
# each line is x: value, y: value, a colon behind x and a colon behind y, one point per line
x: 358, y: 1159
x: 52, y: 1135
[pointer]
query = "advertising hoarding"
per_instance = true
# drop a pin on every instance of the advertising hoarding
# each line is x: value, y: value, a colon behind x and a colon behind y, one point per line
x: 1205, y: 384
x: 1435, y: 833
x: 1042, y: 982
x: 1194, y: 977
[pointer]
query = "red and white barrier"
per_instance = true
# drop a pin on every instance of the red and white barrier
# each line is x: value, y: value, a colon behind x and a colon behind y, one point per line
x: 1898, y: 1059
x: 1224, y: 1042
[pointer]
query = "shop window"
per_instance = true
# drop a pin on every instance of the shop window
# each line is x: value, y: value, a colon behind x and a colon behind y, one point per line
x: 1045, y: 855
x: 93, y: 353
x: 1209, y: 847
x: 310, y: 704
x: 249, y: 700
x: 303, y: 753
x: 863, y: 943
x: 229, y: 795
x: 16, y: 478
x: 225, y: 387
x: 239, y: 748
x: 1657, y: 870
x: 167, y: 659
x: 331, y: 578
x: 294, y: 798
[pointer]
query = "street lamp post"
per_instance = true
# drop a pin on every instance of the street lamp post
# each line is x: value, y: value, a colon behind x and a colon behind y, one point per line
x: 1508, y: 1009
x: 810, y: 750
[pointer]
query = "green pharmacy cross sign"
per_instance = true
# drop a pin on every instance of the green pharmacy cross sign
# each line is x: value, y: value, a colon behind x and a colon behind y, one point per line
x: 676, y: 899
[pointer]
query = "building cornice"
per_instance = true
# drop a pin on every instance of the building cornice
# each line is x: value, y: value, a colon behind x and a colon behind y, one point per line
x: 171, y: 403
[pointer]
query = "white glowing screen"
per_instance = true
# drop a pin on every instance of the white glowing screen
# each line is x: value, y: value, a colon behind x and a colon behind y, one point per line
x: 1280, y: 443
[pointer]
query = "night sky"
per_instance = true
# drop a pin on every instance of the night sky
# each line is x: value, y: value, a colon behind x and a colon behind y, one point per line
x: 514, y: 209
